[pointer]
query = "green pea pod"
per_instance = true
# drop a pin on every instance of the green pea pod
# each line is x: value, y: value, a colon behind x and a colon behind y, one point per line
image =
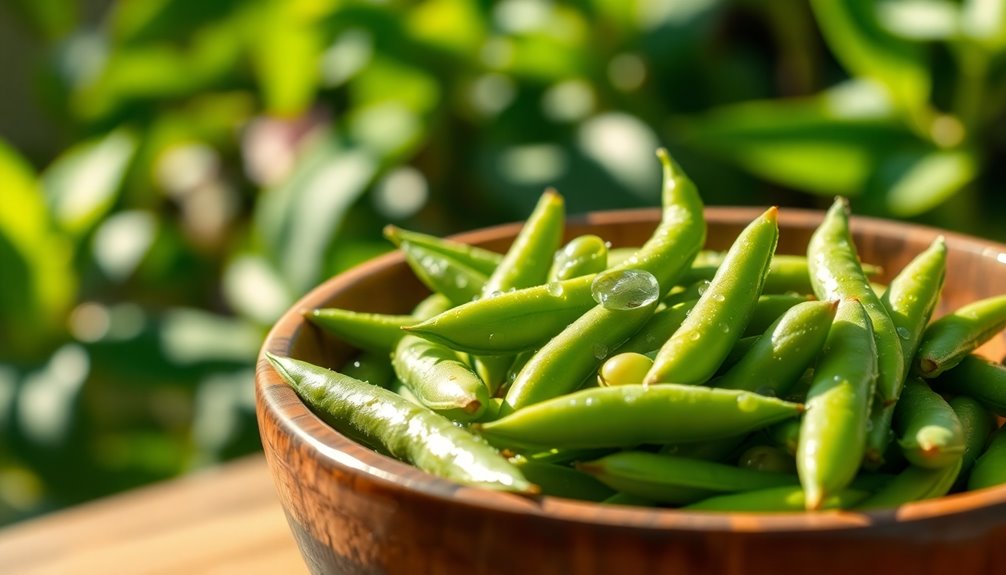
x: 769, y: 308
x: 909, y: 300
x: 786, y: 274
x: 833, y: 433
x: 524, y: 319
x: 775, y: 500
x: 375, y: 332
x: 718, y: 319
x: 441, y: 274
x: 629, y: 415
x: 737, y: 353
x: 569, y: 358
x: 677, y: 480
x: 476, y: 258
x: 979, y: 378
x: 952, y: 337
x: 629, y: 500
x: 783, y: 352
x: 561, y: 481
x: 616, y: 256
x: 786, y: 435
x: 930, y: 435
x: 913, y: 484
x: 661, y: 325
x: 680, y: 234
x: 977, y: 423
x: 990, y: 468
x: 525, y: 264
x: 393, y: 425
x: 583, y: 255
x: 836, y: 273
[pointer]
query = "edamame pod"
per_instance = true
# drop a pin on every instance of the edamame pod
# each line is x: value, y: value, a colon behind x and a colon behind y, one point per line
x: 562, y: 481
x: 979, y: 378
x: 836, y: 273
x: 786, y: 274
x: 833, y: 433
x: 990, y: 468
x: 569, y: 358
x: 977, y: 423
x: 441, y: 274
x: 930, y: 435
x: 952, y: 337
x: 677, y: 480
x: 909, y: 300
x: 913, y: 484
x: 698, y: 347
x: 783, y: 352
x: 375, y: 332
x: 630, y: 415
x: 393, y: 425
x: 583, y: 255
x: 476, y: 258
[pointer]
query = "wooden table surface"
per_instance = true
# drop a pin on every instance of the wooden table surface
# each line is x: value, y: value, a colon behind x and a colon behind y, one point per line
x: 223, y: 520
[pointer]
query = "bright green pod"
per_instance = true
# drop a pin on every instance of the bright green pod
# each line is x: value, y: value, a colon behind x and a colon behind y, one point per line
x: 989, y: 469
x: 836, y: 273
x: 440, y: 379
x: 910, y: 300
x: 630, y: 415
x: 979, y: 378
x: 718, y: 319
x: 562, y: 481
x: 786, y: 349
x: 680, y: 234
x: 375, y: 332
x: 929, y: 433
x: 658, y: 329
x: 476, y: 258
x: 951, y: 338
x: 527, y: 318
x: 913, y: 484
x: 769, y: 308
x: 562, y: 364
x: 525, y: 264
x: 775, y: 500
x: 391, y: 424
x: 833, y: 433
x: 583, y: 255
x: 677, y: 480
x: 441, y: 274
x: 787, y: 274
x: 786, y: 435
x: 978, y: 423
x: 739, y: 350
x: 616, y: 256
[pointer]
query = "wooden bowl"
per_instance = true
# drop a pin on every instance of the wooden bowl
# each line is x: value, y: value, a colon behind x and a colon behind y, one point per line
x: 355, y: 511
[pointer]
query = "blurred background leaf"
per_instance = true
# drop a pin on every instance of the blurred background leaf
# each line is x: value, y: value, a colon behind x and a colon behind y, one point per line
x: 176, y: 173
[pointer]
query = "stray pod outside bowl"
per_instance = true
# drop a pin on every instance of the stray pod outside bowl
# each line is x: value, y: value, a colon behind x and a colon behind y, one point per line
x: 352, y: 510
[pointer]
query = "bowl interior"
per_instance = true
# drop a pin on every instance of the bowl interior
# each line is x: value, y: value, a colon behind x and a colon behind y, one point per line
x: 976, y: 269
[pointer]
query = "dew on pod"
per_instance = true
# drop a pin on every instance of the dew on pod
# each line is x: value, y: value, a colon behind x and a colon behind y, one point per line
x: 625, y: 289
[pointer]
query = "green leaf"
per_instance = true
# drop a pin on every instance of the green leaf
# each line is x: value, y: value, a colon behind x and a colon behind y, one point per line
x: 83, y: 184
x: 298, y: 219
x: 39, y: 283
x: 913, y: 183
x: 853, y: 32
x: 828, y: 144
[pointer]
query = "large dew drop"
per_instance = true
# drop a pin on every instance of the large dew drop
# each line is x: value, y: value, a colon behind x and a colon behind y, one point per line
x: 627, y: 289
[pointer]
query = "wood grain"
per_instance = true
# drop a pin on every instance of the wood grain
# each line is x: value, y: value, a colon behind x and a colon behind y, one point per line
x: 225, y: 520
x: 354, y: 511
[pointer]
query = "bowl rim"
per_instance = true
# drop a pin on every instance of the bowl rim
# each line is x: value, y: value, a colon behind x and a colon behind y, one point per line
x: 278, y: 402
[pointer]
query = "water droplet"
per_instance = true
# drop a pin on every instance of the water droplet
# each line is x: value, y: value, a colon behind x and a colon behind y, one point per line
x: 494, y: 293
x: 626, y: 289
x: 461, y: 282
x: 725, y: 327
x: 600, y: 351
x: 719, y: 297
x: 492, y: 336
x: 903, y: 333
x: 703, y: 287
x: 554, y: 289
x: 695, y: 336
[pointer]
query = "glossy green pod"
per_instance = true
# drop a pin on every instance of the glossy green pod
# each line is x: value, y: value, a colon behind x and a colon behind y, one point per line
x: 833, y: 432
x: 562, y: 481
x: 979, y: 378
x: 629, y: 415
x: 583, y: 255
x: 952, y: 337
x: 787, y: 273
x: 698, y: 347
x: 775, y: 500
x: 476, y: 258
x: 375, y: 332
x: 393, y: 425
x: 913, y: 484
x: 978, y: 424
x: 929, y: 433
x: 989, y: 469
x: 441, y: 274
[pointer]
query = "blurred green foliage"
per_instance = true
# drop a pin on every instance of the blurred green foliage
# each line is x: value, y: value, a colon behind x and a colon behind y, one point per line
x: 214, y: 160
